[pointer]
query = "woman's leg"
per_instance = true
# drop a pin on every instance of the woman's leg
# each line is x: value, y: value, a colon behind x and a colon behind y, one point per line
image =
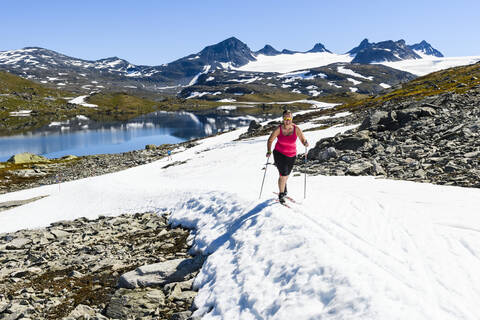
x: 282, y: 182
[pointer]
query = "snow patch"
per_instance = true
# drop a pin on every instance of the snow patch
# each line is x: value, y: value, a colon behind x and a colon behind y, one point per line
x: 21, y: 113
x: 81, y: 101
x: 355, y: 82
x: 349, y: 72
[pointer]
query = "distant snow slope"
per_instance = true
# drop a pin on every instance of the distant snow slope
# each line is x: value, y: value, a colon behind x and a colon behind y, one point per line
x: 429, y: 64
x: 299, y: 61
x: 291, y: 62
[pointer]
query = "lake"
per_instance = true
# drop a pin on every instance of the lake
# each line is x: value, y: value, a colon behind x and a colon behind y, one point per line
x: 82, y: 136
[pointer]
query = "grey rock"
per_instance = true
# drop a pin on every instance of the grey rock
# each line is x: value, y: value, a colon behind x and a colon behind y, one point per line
x: 27, y: 157
x: 127, y: 304
x: 185, y: 315
x: 378, y: 169
x: 150, y: 147
x: 59, y: 234
x: 254, y: 126
x: 160, y: 273
x: 82, y: 312
x: 18, y: 243
x: 359, y: 168
x: 353, y: 142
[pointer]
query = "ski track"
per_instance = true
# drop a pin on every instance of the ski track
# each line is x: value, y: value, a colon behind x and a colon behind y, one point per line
x: 356, y: 248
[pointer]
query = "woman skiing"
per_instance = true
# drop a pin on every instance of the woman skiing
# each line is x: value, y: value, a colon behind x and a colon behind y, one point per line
x: 285, y: 150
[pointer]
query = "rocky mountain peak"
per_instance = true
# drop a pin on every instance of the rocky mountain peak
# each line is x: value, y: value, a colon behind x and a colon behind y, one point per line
x: 268, y: 50
x: 318, y: 47
x: 384, y: 51
x: 363, y: 45
x: 230, y: 50
x: 426, y: 48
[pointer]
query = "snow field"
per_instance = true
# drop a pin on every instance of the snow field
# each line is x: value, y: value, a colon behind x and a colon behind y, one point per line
x: 356, y: 248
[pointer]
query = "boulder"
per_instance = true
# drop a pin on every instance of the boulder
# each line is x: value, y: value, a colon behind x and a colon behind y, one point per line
x: 69, y: 157
x: 150, y: 147
x: 160, y: 273
x: 254, y: 125
x: 414, y: 113
x: 135, y: 304
x: 27, y: 157
x: 380, y: 121
x: 18, y: 243
x: 359, y: 168
x: 81, y: 312
x: 354, y: 142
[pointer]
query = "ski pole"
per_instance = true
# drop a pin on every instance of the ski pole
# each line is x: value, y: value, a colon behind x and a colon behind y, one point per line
x: 266, y: 166
x: 305, y: 181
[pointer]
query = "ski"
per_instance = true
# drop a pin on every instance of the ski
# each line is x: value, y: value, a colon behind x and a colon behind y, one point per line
x: 283, y: 204
x: 288, y: 198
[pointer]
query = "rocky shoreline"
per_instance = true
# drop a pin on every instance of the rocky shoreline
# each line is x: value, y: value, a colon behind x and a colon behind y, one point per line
x: 19, y: 176
x: 97, y: 269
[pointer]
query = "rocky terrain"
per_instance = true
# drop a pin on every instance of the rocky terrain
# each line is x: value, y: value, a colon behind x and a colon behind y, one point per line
x: 125, y: 267
x: 434, y: 139
x: 18, y: 175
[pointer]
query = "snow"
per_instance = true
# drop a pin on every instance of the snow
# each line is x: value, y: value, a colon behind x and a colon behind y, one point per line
x: 227, y: 108
x: 333, y: 84
x: 227, y: 100
x: 245, y: 80
x: 355, y: 248
x: 429, y: 64
x: 20, y: 113
x: 314, y: 93
x: 355, y: 82
x: 290, y: 62
x: 300, y: 75
x: 196, y: 94
x: 384, y: 85
x: 194, y: 79
x: 353, y: 89
x: 81, y: 101
x: 349, y: 72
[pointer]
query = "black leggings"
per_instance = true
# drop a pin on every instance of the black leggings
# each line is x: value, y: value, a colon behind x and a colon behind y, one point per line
x: 284, y: 164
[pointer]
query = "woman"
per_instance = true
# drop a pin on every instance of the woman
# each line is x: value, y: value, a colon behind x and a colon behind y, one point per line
x: 285, y: 150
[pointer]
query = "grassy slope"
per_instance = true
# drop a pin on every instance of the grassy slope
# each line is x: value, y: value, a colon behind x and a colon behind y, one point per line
x: 456, y: 80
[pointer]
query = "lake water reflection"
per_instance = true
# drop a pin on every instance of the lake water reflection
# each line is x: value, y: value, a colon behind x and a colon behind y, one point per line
x: 81, y: 136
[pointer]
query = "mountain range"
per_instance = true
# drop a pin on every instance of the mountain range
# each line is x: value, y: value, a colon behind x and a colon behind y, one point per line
x: 231, y: 58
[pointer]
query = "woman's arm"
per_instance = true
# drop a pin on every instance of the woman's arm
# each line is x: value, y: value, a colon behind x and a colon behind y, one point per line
x: 272, y: 138
x: 301, y: 136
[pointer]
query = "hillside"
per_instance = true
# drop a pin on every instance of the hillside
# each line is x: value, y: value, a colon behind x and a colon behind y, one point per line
x: 26, y: 105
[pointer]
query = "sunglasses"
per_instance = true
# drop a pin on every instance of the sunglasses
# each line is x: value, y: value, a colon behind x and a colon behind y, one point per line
x: 287, y: 119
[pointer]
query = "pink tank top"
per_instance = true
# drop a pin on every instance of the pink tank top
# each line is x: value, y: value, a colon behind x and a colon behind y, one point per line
x: 287, y: 145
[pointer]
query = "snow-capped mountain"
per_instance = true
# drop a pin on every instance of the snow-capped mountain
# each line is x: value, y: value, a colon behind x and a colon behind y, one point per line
x: 389, y: 51
x: 115, y: 74
x: 335, y: 78
x: 384, y: 51
x: 318, y: 47
x: 425, y: 48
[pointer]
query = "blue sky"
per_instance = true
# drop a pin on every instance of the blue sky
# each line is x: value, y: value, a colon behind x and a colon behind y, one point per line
x: 156, y: 32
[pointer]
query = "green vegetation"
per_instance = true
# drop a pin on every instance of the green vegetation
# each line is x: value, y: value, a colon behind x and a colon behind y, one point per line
x: 455, y: 80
